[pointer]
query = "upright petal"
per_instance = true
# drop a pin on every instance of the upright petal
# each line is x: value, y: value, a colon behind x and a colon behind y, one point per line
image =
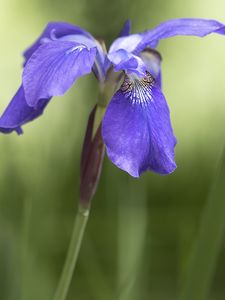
x: 126, y: 29
x: 53, y: 68
x: 128, y: 43
x: 194, y: 27
x: 137, y: 130
x: 58, y: 29
x: 18, y: 113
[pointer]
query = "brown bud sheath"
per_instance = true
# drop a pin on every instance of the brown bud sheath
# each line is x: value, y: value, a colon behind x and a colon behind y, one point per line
x: 91, y: 161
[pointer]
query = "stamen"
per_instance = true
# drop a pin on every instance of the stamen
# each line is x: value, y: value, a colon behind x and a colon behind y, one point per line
x: 138, y: 91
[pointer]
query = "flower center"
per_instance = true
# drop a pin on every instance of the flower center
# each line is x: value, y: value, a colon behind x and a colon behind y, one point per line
x: 137, y: 90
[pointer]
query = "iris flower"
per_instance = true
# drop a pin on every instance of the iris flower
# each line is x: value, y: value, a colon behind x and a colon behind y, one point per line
x: 136, y: 126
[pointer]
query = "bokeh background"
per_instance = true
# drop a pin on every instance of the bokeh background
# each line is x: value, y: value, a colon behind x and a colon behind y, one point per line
x: 141, y: 232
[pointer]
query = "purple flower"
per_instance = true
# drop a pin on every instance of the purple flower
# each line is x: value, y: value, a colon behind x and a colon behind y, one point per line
x: 136, y: 127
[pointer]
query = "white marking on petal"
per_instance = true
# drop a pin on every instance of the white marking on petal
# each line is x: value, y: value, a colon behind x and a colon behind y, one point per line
x: 79, y: 48
x: 138, y: 91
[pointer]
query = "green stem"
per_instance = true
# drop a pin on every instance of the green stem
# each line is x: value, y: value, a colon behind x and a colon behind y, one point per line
x: 72, y: 254
x: 25, y: 244
x: 209, y: 241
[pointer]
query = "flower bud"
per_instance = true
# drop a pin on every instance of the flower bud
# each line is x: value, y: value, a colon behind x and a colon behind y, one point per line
x: 91, y: 159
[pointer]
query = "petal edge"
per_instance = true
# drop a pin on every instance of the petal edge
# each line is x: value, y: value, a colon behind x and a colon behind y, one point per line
x: 139, y: 136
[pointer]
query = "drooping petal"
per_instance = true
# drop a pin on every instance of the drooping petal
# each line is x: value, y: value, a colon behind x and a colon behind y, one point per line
x: 68, y: 32
x: 58, y: 29
x: 126, y: 29
x: 18, y: 113
x: 53, y: 68
x: 123, y: 60
x: 191, y: 26
x: 137, y: 130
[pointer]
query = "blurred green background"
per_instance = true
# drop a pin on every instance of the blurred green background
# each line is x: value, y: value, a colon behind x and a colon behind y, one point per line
x: 141, y: 232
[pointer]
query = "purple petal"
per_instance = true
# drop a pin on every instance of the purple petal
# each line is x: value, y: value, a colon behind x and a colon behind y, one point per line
x: 18, y: 113
x: 195, y: 27
x: 128, y: 43
x: 78, y: 38
x: 53, y: 68
x: 59, y: 29
x: 123, y: 60
x: 126, y: 29
x: 9, y: 130
x: 137, y: 130
x: 100, y: 59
